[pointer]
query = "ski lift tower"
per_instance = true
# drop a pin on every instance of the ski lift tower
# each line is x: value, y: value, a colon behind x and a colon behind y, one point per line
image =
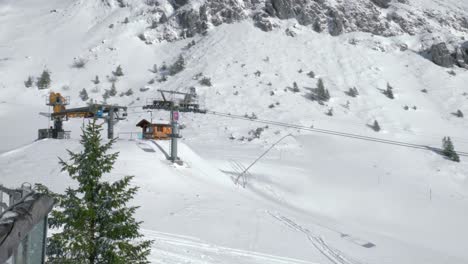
x: 176, y: 102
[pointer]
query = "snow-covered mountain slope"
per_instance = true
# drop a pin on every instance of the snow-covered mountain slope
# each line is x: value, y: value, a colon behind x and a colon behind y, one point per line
x: 314, y: 196
x: 292, y: 211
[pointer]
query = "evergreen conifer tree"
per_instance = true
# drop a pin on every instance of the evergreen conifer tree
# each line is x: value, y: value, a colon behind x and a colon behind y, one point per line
x: 449, y: 150
x: 178, y: 66
x: 106, y: 95
x: 376, y: 126
x: 129, y: 92
x: 44, y: 81
x: 322, y: 94
x: 389, y: 91
x: 118, y: 71
x: 113, y: 90
x: 96, y: 224
x: 29, y: 82
x: 96, y: 80
x: 84, y: 95
x: 295, y: 87
x: 155, y: 68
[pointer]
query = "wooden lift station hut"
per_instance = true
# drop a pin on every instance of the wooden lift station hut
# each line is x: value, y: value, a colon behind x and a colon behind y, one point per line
x: 160, y: 130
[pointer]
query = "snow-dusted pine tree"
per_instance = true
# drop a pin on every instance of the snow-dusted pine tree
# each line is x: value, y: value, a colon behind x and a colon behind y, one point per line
x: 96, y: 80
x: 95, y: 223
x: 322, y: 94
x: 376, y: 126
x: 84, y: 95
x: 29, y: 82
x: 118, y: 71
x: 178, y: 66
x: 44, y: 81
x: 449, y: 150
x: 113, y: 90
x: 389, y: 92
x: 106, y: 95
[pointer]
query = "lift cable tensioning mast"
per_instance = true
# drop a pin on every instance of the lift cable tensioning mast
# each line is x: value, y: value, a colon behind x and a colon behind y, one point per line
x: 169, y: 102
x: 110, y: 113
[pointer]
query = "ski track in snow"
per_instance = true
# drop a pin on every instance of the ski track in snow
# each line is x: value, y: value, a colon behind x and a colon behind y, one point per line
x: 171, y: 248
x: 334, y: 255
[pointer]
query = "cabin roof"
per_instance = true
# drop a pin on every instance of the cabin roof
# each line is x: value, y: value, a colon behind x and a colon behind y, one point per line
x: 146, y: 123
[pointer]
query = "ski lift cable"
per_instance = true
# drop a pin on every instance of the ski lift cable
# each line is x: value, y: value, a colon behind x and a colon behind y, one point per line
x: 332, y: 132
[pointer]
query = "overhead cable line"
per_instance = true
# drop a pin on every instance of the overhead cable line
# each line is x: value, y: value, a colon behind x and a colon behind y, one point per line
x: 332, y: 132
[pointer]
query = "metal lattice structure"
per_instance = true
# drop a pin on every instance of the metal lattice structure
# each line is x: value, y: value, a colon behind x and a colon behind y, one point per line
x: 23, y: 225
x: 187, y: 102
x: 110, y: 113
x: 175, y: 102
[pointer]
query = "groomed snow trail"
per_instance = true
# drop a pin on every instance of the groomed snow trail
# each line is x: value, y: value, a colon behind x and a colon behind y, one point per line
x: 334, y: 255
x: 172, y: 248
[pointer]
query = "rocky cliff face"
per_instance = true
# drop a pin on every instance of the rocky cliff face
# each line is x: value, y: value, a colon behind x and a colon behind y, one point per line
x: 442, y: 56
x: 380, y: 17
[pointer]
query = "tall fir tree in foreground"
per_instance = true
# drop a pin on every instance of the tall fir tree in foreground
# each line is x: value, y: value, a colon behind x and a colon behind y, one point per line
x: 449, y: 150
x: 96, y: 223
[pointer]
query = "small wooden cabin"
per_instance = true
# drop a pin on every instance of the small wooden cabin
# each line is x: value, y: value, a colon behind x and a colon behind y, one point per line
x: 155, y: 130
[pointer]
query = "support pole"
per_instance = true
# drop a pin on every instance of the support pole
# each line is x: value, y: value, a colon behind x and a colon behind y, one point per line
x: 256, y: 160
x: 58, y: 127
x: 110, y: 123
x: 174, y: 134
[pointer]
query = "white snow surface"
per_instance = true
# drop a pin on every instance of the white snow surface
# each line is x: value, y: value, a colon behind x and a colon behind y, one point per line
x: 314, y: 198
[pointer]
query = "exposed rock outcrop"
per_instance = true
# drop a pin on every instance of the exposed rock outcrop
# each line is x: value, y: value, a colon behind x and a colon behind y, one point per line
x: 382, y: 3
x: 334, y: 17
x: 441, y: 55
